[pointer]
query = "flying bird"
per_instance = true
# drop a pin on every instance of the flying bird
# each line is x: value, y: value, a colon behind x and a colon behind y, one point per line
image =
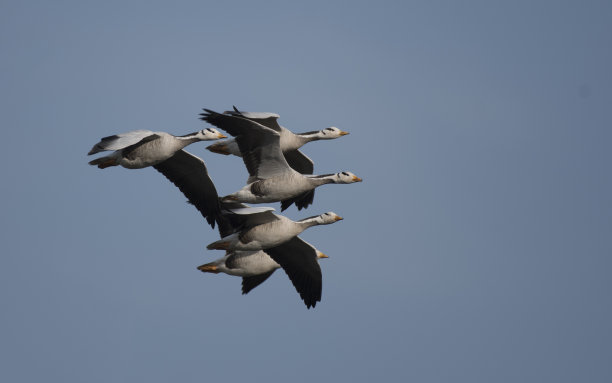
x: 296, y: 257
x: 258, y: 228
x: 256, y: 241
x: 290, y: 142
x: 189, y: 174
x: 141, y: 148
x: 271, y: 179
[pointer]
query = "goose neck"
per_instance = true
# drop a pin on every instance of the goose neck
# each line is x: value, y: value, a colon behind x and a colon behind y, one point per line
x: 307, y: 137
x: 322, y: 179
x: 186, y: 140
x: 309, y: 222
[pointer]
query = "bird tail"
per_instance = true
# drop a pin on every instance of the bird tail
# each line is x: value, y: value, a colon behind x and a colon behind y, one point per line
x: 105, y: 162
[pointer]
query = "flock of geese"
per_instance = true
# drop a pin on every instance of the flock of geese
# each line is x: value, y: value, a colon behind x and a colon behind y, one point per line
x: 256, y: 240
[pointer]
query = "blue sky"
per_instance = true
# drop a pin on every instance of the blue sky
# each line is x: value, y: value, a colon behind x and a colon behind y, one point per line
x: 476, y: 249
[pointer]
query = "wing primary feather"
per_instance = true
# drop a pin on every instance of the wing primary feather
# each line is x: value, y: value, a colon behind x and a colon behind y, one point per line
x: 189, y: 174
x: 249, y: 283
x: 299, y: 261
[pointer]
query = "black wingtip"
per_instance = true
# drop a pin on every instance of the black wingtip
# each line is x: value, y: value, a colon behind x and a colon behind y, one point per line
x: 207, y: 112
x: 285, y: 204
x: 208, y: 115
x: 301, y: 206
x: 310, y: 302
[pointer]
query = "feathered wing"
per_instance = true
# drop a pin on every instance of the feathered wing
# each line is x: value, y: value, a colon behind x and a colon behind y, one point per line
x: 119, y: 141
x: 127, y: 151
x: 304, y: 165
x: 259, y: 145
x: 251, y: 217
x: 249, y: 283
x: 190, y: 175
x: 302, y: 201
x: 299, y: 260
x: 236, y: 216
x: 269, y: 120
x: 299, y: 161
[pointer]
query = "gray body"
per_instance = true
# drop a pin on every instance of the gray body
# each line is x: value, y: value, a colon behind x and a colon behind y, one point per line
x: 142, y: 148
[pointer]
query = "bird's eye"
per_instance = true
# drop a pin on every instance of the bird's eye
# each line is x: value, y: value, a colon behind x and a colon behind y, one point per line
x: 345, y: 173
x: 210, y: 130
x: 330, y: 129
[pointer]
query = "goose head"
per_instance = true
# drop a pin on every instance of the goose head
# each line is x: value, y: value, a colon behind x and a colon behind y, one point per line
x: 345, y: 178
x: 209, y: 134
x: 327, y: 218
x: 330, y: 133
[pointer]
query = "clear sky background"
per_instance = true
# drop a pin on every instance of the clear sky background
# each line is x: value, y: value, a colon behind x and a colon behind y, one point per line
x: 477, y: 249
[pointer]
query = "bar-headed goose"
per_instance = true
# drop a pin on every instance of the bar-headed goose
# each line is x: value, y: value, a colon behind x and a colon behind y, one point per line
x: 258, y: 228
x: 271, y: 179
x: 141, y: 148
x: 290, y: 142
x: 296, y: 257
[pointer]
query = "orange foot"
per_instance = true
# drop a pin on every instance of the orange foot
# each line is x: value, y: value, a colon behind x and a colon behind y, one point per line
x: 209, y: 268
x: 219, y: 148
x: 219, y: 245
x: 107, y: 164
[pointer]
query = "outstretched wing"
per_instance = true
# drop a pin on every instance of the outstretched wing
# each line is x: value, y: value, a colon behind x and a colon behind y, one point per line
x: 249, y: 283
x: 299, y: 260
x: 190, y: 175
x: 302, y: 201
x: 258, y: 144
x: 236, y: 216
x: 299, y: 161
x: 120, y: 141
x: 266, y: 119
